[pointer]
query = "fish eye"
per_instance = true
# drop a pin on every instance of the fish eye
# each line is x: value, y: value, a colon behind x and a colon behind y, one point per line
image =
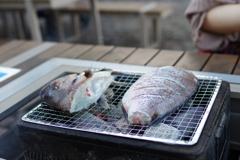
x: 55, y: 88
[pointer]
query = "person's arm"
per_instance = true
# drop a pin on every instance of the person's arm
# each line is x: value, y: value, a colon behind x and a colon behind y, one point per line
x: 224, y: 19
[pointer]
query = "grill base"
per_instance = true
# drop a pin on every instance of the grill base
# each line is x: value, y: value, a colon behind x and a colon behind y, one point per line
x: 46, y: 142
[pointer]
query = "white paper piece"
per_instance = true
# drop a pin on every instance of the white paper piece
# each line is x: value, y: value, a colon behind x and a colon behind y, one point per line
x: 6, y: 72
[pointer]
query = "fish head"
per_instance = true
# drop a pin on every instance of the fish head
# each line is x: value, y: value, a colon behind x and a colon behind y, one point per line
x: 74, y: 92
x: 59, y: 93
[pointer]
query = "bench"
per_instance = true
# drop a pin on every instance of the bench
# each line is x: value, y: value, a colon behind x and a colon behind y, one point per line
x: 17, y: 7
x: 145, y: 11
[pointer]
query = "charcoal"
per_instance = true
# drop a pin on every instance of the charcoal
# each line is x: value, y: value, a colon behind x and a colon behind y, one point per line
x: 88, y: 121
x: 164, y: 131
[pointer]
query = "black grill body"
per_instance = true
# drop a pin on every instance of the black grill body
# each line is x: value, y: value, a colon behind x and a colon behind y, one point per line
x: 46, y: 142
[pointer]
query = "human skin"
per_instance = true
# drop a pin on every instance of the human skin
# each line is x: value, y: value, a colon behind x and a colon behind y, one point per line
x: 223, y: 19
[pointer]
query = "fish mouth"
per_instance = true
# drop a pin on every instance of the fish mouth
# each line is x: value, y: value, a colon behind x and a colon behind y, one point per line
x: 43, y: 94
x: 141, y: 118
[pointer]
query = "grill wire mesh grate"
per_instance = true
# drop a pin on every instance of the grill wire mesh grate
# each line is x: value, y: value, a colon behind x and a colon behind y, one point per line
x: 182, y: 127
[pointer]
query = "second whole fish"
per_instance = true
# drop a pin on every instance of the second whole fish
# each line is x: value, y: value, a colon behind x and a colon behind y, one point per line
x: 158, y: 94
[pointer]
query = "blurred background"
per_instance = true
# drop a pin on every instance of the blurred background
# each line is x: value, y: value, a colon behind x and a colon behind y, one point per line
x: 117, y: 29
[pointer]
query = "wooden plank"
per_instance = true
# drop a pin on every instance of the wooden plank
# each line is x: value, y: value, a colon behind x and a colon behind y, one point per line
x: 19, y: 24
x: 32, y: 0
x: 24, y: 56
x: 118, y: 54
x: 52, y: 52
x: 37, y: 60
x: 10, y: 46
x: 24, y: 47
x: 144, y: 30
x: 23, y: 0
x: 55, y: 51
x: 96, y: 52
x: 122, y: 7
x: 76, y: 51
x: 163, y: 8
x: 97, y: 21
x: 141, y: 56
x: 237, y: 68
x: 3, y: 41
x: 221, y: 63
x: 33, y: 22
x: 193, y: 61
x: 117, y: 7
x: 165, y: 58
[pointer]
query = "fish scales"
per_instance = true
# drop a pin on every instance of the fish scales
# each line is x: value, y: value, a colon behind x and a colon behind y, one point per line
x: 158, y: 93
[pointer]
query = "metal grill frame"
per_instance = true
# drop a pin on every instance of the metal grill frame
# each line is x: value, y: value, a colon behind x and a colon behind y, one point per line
x: 168, y: 141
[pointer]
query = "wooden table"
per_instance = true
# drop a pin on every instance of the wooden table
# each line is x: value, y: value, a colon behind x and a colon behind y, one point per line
x: 215, y: 63
x: 29, y: 55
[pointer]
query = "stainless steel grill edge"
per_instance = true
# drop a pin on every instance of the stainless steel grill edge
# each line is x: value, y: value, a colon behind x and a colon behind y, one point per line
x: 41, y: 141
x: 183, y: 127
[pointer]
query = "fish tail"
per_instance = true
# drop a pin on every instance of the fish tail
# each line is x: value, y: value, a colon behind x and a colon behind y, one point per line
x: 124, y: 113
x: 120, y: 83
x: 116, y: 73
x: 160, y: 118
x: 157, y: 120
x: 102, y: 101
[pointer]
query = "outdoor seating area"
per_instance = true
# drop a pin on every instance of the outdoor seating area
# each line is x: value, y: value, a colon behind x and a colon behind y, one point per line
x: 148, y: 12
x: 204, y: 126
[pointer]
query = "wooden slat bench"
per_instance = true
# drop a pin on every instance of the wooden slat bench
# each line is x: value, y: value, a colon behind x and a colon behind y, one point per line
x: 3, y: 41
x: 148, y: 12
x: 31, y: 7
x: 145, y: 10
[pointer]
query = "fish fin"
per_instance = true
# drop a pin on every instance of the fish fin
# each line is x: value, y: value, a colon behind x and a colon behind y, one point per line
x: 108, y: 93
x: 159, y: 119
x: 105, y: 69
x: 124, y: 113
x: 120, y: 83
x: 102, y: 101
x: 116, y: 73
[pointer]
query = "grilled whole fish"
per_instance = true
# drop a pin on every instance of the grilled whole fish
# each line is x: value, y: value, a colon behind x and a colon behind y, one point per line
x: 158, y: 94
x: 73, y: 92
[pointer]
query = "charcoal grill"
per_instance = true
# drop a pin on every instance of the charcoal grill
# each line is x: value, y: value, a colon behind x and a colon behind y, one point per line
x: 197, y: 130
